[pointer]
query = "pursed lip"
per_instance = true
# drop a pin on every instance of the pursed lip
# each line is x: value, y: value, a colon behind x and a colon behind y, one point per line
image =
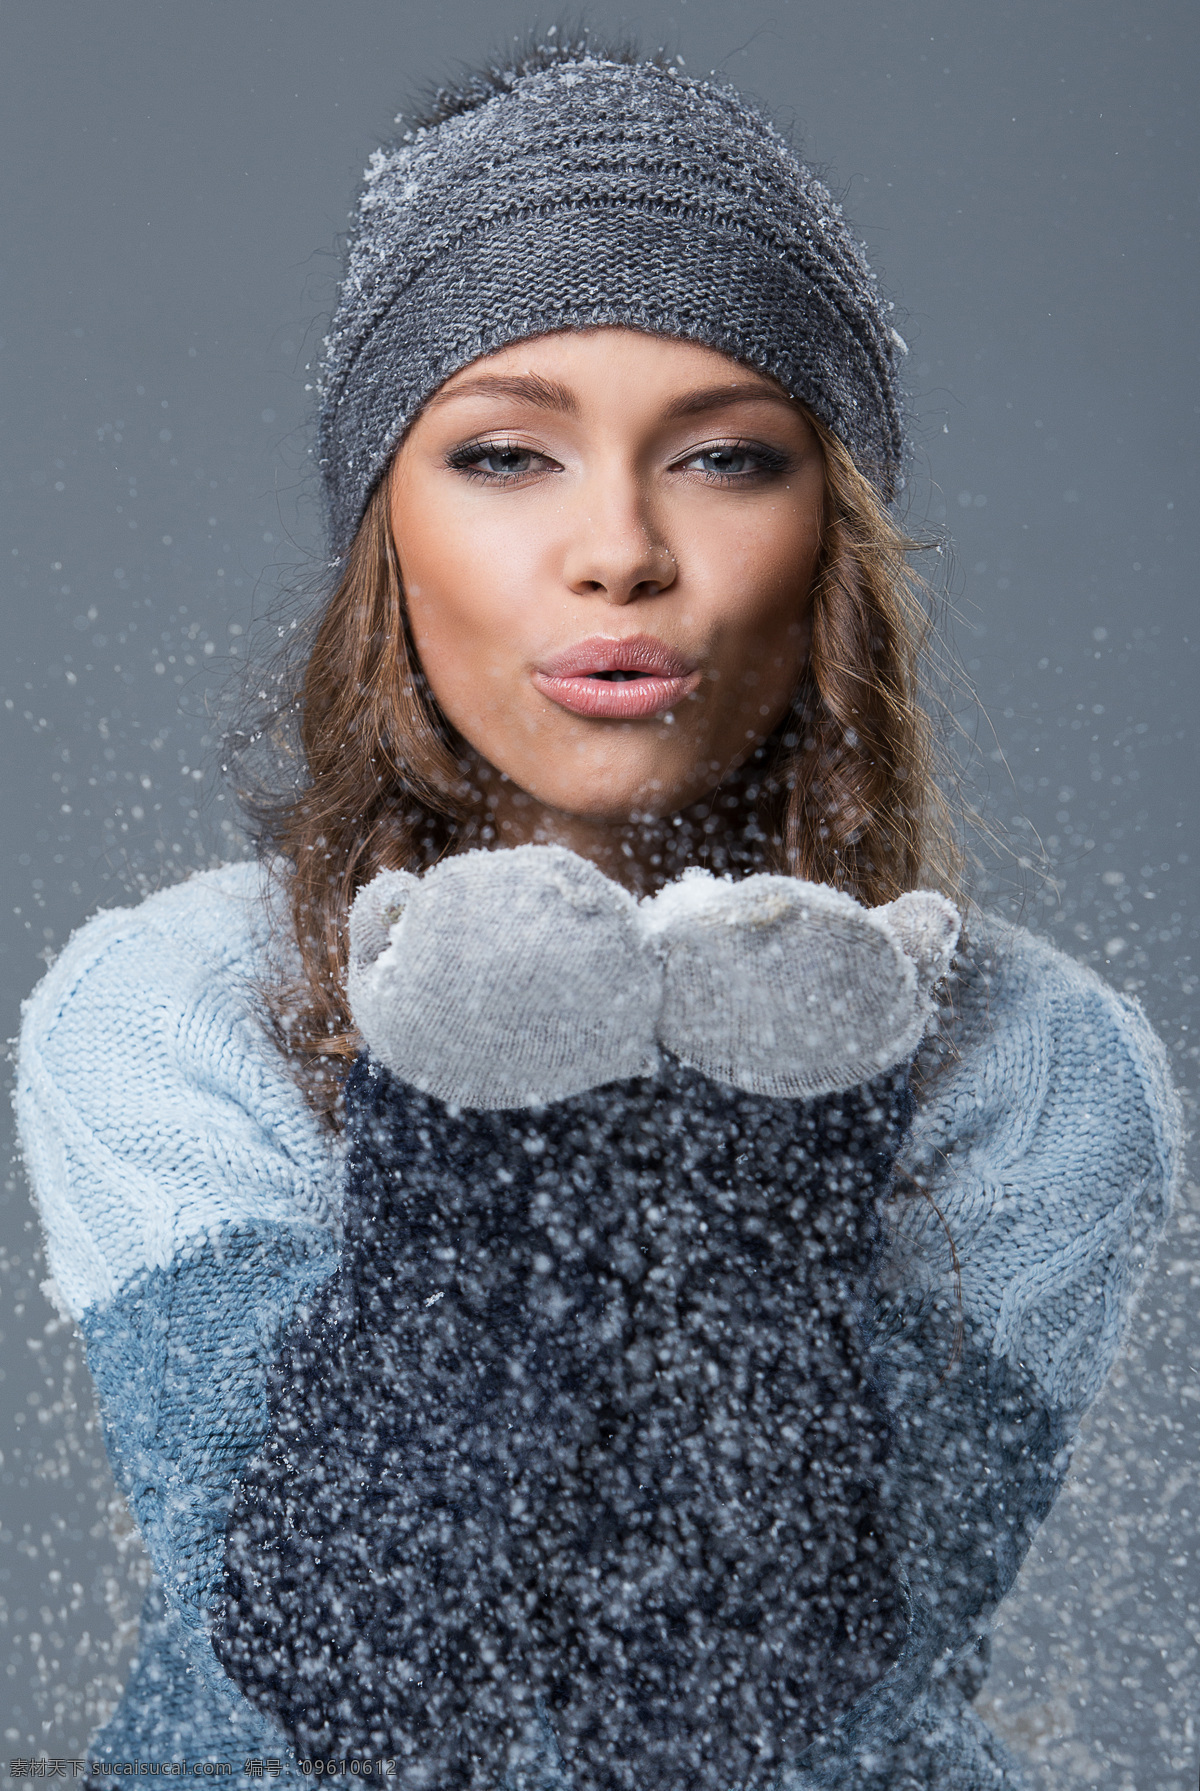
x: 622, y: 680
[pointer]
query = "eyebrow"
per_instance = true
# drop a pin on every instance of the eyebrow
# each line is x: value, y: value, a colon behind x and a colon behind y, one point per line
x: 722, y: 397
x: 549, y: 394
x: 526, y: 388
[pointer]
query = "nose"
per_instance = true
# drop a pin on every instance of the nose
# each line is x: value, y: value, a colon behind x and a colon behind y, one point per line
x: 615, y: 552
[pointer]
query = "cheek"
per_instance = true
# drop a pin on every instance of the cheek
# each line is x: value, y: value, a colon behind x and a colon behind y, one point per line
x: 758, y: 582
x: 462, y: 586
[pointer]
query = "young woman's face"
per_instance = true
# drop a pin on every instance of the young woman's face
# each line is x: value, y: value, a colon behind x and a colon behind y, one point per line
x: 607, y: 542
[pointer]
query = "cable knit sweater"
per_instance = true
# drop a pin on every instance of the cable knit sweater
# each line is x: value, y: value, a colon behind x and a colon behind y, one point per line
x: 191, y: 1206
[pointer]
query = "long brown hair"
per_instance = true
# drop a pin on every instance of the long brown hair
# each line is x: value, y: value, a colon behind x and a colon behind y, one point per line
x: 849, y: 794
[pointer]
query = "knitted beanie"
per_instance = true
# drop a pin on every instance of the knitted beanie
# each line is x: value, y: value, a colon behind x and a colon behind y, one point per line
x: 595, y: 192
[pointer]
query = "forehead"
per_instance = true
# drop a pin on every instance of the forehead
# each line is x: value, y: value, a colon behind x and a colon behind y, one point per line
x: 578, y: 360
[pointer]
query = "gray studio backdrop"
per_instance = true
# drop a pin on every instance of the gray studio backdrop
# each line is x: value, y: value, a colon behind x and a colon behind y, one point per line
x: 175, y: 179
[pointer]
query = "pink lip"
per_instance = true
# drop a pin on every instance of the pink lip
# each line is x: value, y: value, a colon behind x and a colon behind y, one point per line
x: 580, y: 678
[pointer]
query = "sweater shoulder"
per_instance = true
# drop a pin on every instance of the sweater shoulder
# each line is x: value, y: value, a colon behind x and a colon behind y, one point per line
x: 154, y: 1107
x: 218, y: 917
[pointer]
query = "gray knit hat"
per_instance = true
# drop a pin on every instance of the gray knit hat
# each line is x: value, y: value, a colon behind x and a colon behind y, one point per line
x: 593, y: 192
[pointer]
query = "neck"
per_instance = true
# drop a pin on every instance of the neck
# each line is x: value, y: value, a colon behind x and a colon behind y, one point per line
x: 722, y: 833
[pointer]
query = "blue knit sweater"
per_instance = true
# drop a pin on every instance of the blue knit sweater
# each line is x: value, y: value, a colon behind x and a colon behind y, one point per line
x: 190, y: 1202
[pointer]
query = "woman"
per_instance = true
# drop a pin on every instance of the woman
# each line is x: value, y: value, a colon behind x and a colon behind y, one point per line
x: 610, y: 421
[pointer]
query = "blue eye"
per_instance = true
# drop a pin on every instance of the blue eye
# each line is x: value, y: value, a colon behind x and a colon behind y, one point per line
x: 725, y: 460
x: 495, y: 460
x: 740, y: 461
x: 504, y: 460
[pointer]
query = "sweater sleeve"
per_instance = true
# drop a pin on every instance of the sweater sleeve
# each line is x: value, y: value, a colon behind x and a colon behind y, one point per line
x: 186, y: 1194
x: 1040, y: 1168
x: 1046, y: 1151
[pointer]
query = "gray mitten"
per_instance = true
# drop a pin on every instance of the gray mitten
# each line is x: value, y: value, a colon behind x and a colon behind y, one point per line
x: 788, y: 988
x: 772, y: 985
x: 506, y: 979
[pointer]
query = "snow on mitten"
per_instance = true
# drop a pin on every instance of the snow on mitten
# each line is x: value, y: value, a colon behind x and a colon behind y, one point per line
x: 584, y: 1431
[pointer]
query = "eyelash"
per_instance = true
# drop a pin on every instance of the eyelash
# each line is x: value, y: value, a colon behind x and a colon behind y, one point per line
x: 465, y: 459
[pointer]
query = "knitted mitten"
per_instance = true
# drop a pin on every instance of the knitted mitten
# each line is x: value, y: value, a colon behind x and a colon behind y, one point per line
x: 584, y: 1431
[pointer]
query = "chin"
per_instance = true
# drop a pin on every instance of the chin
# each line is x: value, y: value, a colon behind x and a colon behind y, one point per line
x: 597, y: 802
x: 608, y: 792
